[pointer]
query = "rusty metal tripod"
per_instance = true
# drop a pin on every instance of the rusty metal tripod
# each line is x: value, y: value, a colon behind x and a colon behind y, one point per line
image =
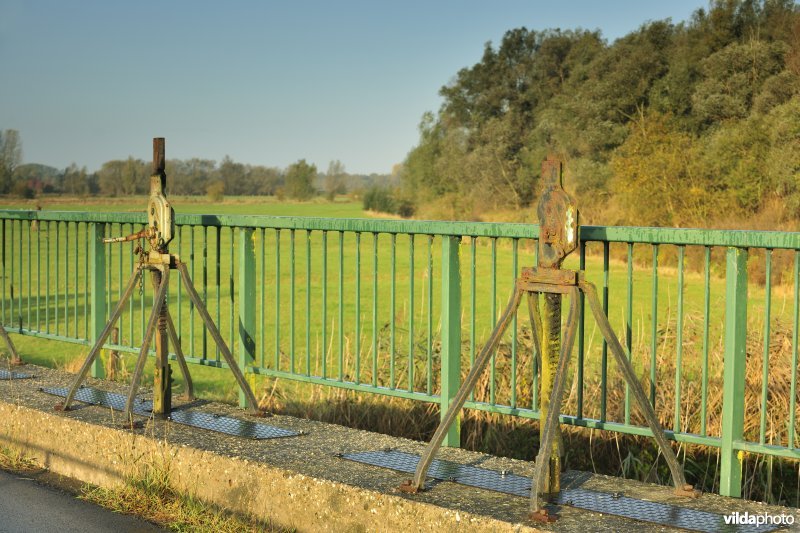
x: 159, y: 261
x: 558, y: 237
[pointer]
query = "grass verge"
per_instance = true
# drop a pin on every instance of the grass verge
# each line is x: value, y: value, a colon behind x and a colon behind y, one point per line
x: 149, y: 495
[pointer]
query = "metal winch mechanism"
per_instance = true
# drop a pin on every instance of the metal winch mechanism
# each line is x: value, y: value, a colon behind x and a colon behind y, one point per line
x: 558, y: 237
x: 154, y: 256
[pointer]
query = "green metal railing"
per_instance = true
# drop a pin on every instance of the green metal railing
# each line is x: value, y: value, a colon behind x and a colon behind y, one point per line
x: 400, y: 308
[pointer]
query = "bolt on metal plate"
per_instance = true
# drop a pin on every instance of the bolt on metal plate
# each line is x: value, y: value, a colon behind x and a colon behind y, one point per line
x: 590, y: 500
x: 4, y: 374
x: 198, y: 419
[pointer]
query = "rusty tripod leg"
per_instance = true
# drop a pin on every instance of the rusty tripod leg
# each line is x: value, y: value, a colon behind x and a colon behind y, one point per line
x: 551, y: 422
x: 681, y: 487
x: 159, y: 300
x: 536, y: 326
x: 223, y: 348
x: 173, y: 337
x: 418, y: 483
x: 15, y: 359
x: 98, y: 345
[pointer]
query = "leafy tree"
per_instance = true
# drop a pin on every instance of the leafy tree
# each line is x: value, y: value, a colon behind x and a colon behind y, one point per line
x: 234, y: 176
x: 75, y: 181
x: 655, y: 178
x: 300, y: 179
x: 335, y: 180
x: 10, y: 157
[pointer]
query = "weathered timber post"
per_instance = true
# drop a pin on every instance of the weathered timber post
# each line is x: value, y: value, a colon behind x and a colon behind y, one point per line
x: 162, y: 386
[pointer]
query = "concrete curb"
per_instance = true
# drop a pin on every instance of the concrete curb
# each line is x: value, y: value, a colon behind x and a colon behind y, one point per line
x: 105, y: 456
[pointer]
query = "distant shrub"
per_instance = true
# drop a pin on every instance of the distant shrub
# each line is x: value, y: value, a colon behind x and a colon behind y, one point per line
x: 379, y: 199
x: 216, y: 191
x: 23, y: 190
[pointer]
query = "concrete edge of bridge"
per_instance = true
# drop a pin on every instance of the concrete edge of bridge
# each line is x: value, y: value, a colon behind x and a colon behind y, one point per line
x: 89, y: 445
x: 302, y: 481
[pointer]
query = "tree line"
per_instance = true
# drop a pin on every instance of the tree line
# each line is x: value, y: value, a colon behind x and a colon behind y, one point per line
x: 672, y: 124
x: 300, y: 180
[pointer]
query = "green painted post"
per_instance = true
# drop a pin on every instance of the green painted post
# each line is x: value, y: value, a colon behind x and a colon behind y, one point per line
x: 97, y: 256
x: 247, y: 303
x: 734, y: 371
x: 451, y: 333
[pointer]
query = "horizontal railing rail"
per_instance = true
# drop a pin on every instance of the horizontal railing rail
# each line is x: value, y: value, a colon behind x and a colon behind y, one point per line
x: 402, y: 307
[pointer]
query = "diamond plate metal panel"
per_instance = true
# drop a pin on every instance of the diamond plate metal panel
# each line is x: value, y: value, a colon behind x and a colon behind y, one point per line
x: 4, y: 374
x: 658, y: 513
x: 221, y: 424
x: 228, y: 425
x: 472, y: 476
x: 100, y: 397
x: 590, y: 500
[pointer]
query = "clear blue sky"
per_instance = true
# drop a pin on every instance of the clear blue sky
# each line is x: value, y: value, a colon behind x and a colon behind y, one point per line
x: 264, y: 82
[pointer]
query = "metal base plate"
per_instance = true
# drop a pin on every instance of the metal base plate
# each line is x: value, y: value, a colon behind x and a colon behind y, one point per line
x: 5, y: 374
x: 591, y: 500
x: 219, y: 423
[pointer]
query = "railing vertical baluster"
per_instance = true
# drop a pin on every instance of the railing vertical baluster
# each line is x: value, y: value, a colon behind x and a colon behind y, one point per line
x: 762, y: 429
x: 39, y: 279
x: 629, y: 329
x: 581, y: 336
x: 324, y: 304
x: 179, y: 318
x: 46, y: 275
x: 494, y: 318
x: 263, y: 280
x: 795, y: 347
x: 308, y: 302
x: 706, y: 320
x: 130, y: 300
x: 679, y: 341
x: 205, y: 287
x: 292, y: 260
x: 514, y: 273
x: 56, y: 268
x: 66, y: 275
x: 75, y: 278
x: 29, y: 276
x: 120, y: 281
x: 450, y: 378
x: 429, y: 370
x: 231, y: 292
x: 393, y: 309
x: 191, y: 304
x: 98, y: 258
x: 3, y: 251
x: 604, y: 349
x: 109, y: 264
x: 358, y: 310
x: 374, y: 309
x: 341, y: 306
x: 20, y: 286
x: 472, y: 333
x: 654, y: 329
x: 85, y: 280
x: 247, y: 304
x: 411, y: 313
x: 277, y: 299
x: 734, y: 368
x: 218, y: 284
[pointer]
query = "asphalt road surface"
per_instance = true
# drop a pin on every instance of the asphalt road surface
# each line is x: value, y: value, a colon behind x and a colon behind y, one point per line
x: 27, y: 506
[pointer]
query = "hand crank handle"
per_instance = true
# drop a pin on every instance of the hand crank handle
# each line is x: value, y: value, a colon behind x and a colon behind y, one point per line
x: 142, y: 234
